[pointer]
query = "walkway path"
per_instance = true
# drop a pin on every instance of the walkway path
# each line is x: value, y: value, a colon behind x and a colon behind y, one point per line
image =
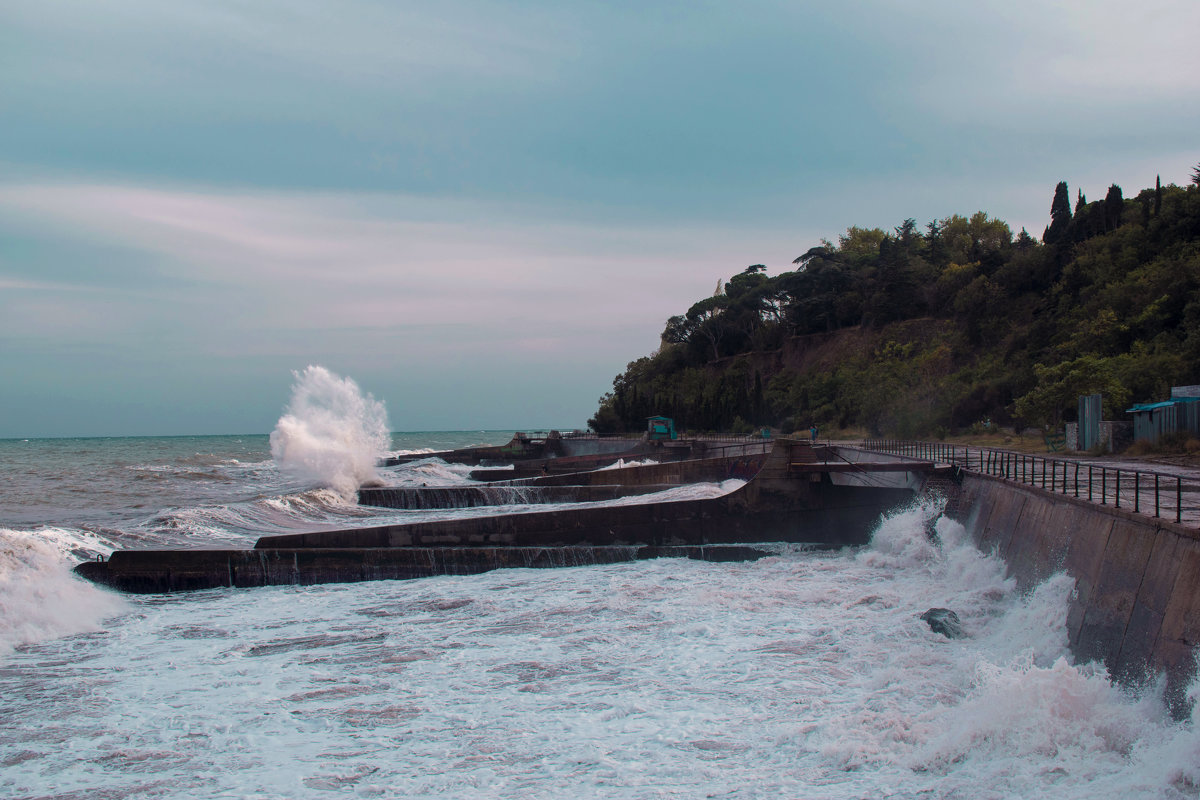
x: 1168, y: 491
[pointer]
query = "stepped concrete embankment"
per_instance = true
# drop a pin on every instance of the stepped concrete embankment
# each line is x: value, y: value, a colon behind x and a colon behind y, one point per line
x: 781, y: 503
x: 160, y: 571
x: 522, y: 448
x: 815, y: 514
x: 421, y: 497
x: 744, y: 462
x: 1137, y: 578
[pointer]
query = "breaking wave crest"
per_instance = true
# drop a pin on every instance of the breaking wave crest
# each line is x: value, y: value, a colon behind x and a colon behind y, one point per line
x: 432, y: 472
x: 1006, y: 706
x: 40, y: 598
x: 241, y: 523
x: 332, y: 434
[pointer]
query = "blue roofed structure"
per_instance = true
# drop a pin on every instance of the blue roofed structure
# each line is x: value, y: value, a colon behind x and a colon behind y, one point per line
x: 1180, y: 414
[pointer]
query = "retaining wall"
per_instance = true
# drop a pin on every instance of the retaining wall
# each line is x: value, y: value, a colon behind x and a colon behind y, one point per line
x: 1137, y: 601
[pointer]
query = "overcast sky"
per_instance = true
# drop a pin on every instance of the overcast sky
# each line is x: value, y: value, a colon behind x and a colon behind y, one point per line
x: 482, y: 211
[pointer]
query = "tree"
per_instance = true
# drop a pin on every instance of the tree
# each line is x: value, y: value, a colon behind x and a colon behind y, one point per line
x: 1059, y: 386
x: 678, y: 331
x: 1196, y: 175
x: 822, y: 251
x: 1060, y: 214
x: 1114, y: 204
x: 813, y: 291
x: 705, y: 317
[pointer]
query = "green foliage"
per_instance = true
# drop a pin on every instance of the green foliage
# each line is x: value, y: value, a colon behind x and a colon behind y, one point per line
x: 1060, y: 385
x: 1060, y: 214
x: 914, y: 331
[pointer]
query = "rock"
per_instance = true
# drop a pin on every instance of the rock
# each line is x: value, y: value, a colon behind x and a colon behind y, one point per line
x: 945, y: 622
x: 931, y: 531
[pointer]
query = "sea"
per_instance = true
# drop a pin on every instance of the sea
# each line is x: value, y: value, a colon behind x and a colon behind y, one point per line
x: 805, y: 674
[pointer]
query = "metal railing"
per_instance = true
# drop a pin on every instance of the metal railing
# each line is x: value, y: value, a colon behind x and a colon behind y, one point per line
x: 749, y: 446
x: 1148, y: 492
x: 702, y: 437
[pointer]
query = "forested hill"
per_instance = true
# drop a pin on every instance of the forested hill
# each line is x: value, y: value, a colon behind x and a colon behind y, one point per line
x: 917, y: 331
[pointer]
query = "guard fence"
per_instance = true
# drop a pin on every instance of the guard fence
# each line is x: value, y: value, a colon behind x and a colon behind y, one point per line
x: 1159, y: 494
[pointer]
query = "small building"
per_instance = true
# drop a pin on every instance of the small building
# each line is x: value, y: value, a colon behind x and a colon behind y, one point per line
x: 660, y: 429
x: 1180, y: 414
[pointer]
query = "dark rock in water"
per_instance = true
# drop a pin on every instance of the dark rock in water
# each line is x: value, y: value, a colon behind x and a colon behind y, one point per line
x: 945, y: 622
x: 931, y: 532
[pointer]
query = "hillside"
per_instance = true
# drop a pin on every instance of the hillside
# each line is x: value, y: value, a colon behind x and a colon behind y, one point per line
x: 918, y: 332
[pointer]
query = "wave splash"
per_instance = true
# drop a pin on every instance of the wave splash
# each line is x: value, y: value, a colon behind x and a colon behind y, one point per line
x: 40, y: 599
x: 331, y: 434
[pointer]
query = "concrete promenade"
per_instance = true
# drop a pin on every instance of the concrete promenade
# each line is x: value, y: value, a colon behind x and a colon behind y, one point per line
x: 1165, y: 491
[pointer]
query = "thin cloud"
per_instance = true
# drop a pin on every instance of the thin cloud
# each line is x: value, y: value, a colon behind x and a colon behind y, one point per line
x: 261, y: 264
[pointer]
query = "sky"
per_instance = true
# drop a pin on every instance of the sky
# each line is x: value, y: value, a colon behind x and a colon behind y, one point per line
x: 482, y: 211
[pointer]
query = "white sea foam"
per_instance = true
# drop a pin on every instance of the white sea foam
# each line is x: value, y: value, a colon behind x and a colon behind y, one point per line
x: 622, y: 463
x: 332, y: 434
x: 431, y: 472
x: 805, y: 674
x: 418, y: 451
x: 690, y: 491
x: 40, y: 599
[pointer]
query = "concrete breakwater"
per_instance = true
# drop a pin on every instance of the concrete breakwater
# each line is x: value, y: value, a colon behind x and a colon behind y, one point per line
x: 786, y: 499
x: 585, y: 450
x: 1137, y: 602
x: 161, y: 571
x: 493, y: 495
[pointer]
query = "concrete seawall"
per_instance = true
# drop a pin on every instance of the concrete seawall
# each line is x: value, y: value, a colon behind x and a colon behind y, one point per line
x: 1137, y: 601
x: 492, y: 495
x: 788, y: 499
x: 152, y: 571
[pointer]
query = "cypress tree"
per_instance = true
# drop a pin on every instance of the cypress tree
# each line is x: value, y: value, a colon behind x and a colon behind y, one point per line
x: 1060, y: 214
x: 1114, y: 203
x: 1157, y: 194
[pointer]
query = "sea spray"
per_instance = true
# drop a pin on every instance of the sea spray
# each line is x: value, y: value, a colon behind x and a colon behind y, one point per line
x: 40, y: 599
x: 331, y: 433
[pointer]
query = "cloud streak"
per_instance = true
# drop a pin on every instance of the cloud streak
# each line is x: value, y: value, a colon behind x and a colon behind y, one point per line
x: 510, y: 199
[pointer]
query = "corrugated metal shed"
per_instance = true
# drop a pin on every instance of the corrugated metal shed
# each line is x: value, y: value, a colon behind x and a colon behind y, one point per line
x: 1151, y: 421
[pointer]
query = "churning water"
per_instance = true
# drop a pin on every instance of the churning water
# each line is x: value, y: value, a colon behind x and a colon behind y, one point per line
x: 802, y: 675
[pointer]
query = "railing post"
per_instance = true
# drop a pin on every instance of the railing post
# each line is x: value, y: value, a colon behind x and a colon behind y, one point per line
x: 1179, y: 498
x: 1137, y: 492
x: 1043, y: 473
x: 1104, y: 486
x: 1156, y: 494
x: 1076, y: 480
x: 1089, y: 483
x: 1117, y: 493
